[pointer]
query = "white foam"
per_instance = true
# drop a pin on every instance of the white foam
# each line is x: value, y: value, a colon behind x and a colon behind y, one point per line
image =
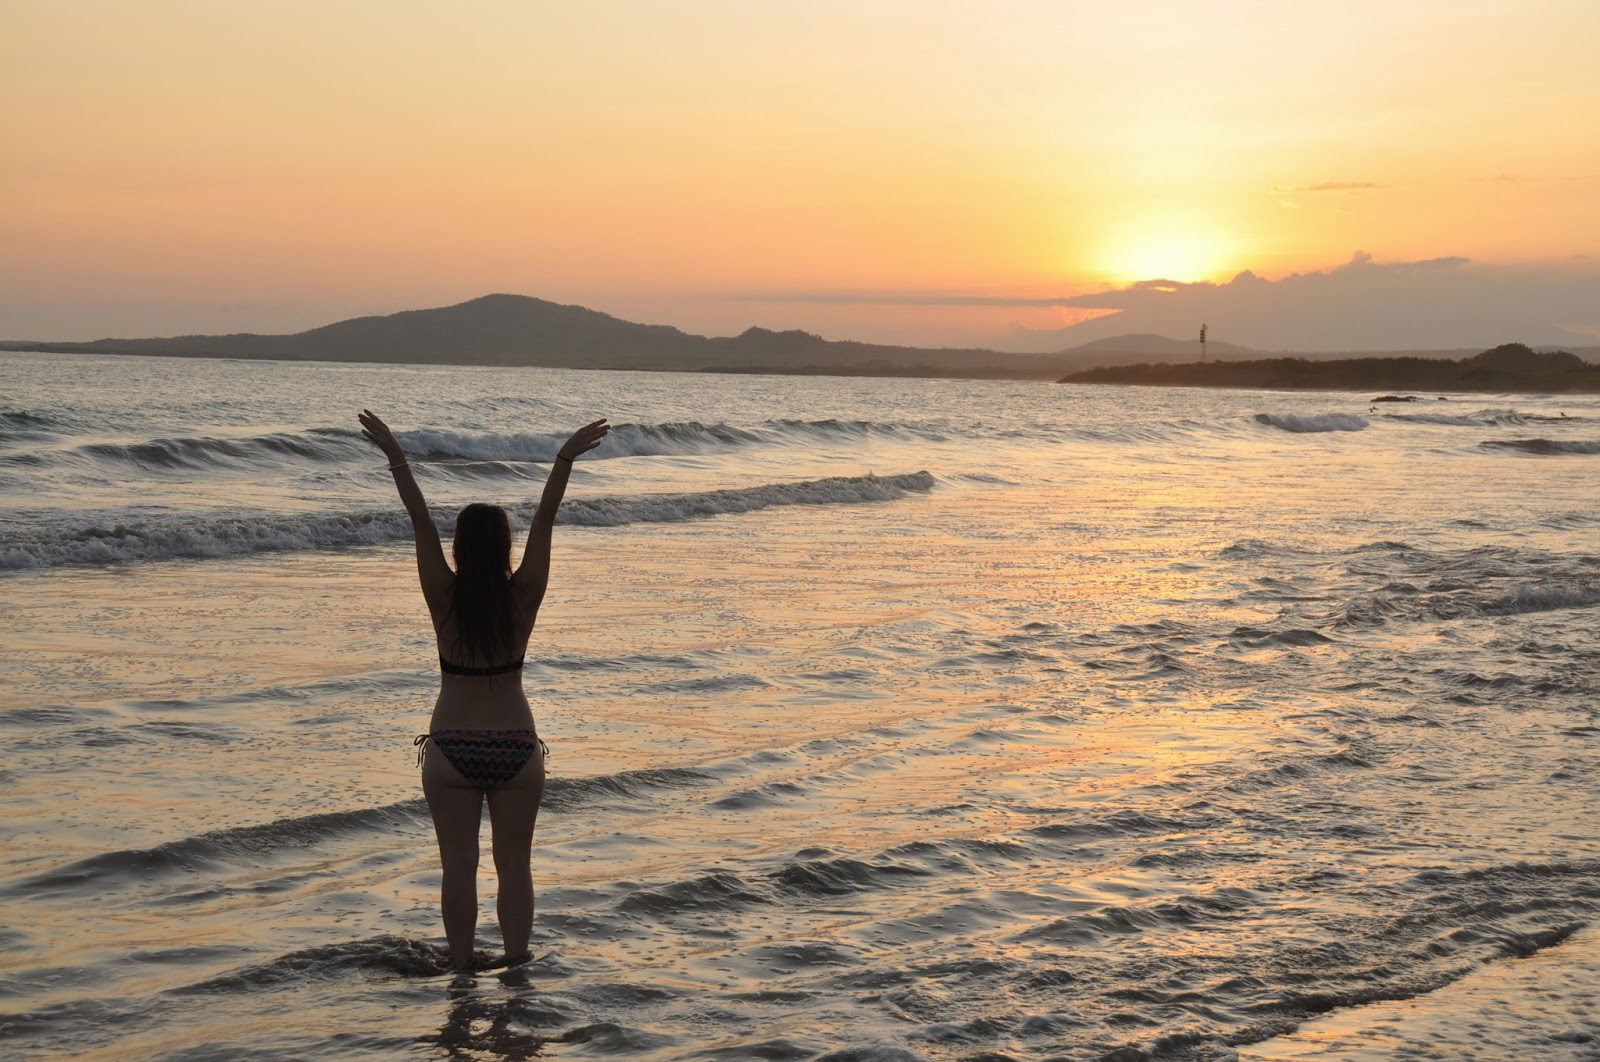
x: 1313, y: 423
x: 200, y: 537
x: 625, y: 440
x: 328, y: 445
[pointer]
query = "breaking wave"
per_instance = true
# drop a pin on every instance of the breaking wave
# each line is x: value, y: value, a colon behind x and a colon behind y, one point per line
x: 1403, y: 602
x: 21, y: 426
x: 1313, y: 423
x: 202, y: 537
x: 193, y: 453
x: 625, y: 440
x: 198, y: 453
x: 1545, y: 446
x: 1481, y: 418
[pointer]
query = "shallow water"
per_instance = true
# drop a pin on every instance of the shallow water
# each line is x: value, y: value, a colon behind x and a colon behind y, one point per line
x: 916, y: 718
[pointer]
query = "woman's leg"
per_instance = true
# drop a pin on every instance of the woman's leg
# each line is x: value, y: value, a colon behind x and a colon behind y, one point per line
x: 457, y: 808
x: 513, y: 810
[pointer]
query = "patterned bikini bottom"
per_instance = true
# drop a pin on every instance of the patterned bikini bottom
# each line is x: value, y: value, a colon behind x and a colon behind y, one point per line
x: 485, y: 758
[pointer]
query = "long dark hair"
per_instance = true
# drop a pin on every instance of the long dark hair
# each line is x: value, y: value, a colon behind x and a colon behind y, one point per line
x: 485, y: 611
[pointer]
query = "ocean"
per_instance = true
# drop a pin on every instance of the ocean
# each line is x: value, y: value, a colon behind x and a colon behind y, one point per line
x: 890, y: 719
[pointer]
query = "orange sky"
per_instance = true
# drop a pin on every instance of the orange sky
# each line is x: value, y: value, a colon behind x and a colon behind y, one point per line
x: 191, y: 166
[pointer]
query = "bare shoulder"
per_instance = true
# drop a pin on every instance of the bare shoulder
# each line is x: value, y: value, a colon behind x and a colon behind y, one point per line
x: 527, y: 587
x: 438, y: 591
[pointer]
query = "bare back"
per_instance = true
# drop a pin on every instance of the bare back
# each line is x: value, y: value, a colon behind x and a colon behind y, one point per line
x: 483, y: 702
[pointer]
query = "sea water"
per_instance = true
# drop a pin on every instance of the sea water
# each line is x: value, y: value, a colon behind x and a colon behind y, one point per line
x: 889, y: 718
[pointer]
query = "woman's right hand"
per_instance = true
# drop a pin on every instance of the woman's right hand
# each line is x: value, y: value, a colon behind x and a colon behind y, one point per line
x: 584, y: 439
x: 376, y: 430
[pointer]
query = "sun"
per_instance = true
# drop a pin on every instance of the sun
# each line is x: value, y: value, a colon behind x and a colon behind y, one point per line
x: 1160, y: 259
x: 1174, y: 249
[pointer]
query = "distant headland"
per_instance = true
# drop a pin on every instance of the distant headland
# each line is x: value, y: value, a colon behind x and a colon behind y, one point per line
x: 519, y: 330
x: 1508, y: 367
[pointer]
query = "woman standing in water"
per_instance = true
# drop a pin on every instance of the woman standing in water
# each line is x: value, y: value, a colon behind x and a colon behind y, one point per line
x: 483, y: 614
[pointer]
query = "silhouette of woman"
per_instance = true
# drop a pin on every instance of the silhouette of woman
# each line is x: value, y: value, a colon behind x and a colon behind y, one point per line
x: 483, y: 614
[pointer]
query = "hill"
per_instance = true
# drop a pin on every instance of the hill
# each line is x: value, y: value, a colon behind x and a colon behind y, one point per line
x: 525, y: 331
x: 518, y: 330
x: 1509, y: 367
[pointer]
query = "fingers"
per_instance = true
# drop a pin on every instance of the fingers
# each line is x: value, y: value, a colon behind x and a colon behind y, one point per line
x: 588, y: 437
x: 375, y: 431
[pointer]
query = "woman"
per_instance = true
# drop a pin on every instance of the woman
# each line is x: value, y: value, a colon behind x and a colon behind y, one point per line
x: 482, y: 728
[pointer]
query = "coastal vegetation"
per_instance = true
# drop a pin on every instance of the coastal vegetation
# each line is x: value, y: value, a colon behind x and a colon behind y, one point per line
x: 1508, y: 367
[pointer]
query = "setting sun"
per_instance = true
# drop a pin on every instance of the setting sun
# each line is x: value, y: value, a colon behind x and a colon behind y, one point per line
x: 1166, y: 249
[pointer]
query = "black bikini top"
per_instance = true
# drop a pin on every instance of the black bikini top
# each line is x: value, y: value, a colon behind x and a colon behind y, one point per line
x: 483, y: 672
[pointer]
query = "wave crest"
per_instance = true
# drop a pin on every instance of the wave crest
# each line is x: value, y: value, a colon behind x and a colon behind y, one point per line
x: 209, y: 537
x: 330, y: 445
x: 1314, y: 423
x: 1545, y: 447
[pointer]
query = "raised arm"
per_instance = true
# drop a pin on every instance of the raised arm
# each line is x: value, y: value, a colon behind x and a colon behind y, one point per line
x: 432, y: 570
x: 533, y: 574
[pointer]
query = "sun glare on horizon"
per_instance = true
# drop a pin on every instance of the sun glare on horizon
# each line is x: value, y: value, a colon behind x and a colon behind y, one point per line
x: 1178, y: 251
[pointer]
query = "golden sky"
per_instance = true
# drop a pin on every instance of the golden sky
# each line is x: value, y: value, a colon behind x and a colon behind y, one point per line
x: 195, y: 165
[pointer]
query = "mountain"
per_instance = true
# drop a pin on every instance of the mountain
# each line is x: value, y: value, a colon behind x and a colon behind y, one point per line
x: 1510, y: 367
x: 520, y: 330
x: 524, y: 331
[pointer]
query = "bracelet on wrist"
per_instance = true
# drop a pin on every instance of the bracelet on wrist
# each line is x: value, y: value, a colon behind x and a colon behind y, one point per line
x: 564, y: 457
x: 399, y: 465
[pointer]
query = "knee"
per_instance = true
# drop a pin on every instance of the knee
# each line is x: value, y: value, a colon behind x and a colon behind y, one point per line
x: 512, y: 863
x: 460, y: 866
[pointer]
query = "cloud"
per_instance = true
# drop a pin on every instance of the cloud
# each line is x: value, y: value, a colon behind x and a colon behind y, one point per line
x: 860, y: 298
x: 1361, y: 304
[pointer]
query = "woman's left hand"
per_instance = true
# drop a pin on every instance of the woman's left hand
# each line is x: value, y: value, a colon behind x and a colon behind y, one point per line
x: 376, y: 430
x: 584, y: 439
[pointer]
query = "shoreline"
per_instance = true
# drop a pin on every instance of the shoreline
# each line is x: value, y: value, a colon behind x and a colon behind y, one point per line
x: 1422, y: 394
x: 1508, y: 368
x: 815, y: 372
x: 914, y: 372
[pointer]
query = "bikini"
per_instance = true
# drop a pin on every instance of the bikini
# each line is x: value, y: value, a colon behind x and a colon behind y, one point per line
x: 485, y: 758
